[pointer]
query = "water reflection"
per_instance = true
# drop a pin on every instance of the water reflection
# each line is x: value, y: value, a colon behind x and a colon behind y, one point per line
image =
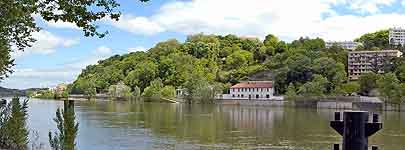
x: 129, y: 125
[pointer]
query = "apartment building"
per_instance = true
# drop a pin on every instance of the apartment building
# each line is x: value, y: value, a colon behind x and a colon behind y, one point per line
x: 350, y: 45
x: 397, y: 36
x: 368, y: 61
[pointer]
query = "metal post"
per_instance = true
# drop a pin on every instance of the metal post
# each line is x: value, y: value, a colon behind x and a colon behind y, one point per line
x: 355, y: 129
x: 335, y: 146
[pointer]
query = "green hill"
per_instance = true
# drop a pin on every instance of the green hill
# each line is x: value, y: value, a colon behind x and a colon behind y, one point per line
x: 213, y: 63
x: 5, y: 92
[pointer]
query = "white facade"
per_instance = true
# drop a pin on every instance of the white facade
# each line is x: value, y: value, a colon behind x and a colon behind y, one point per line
x: 350, y: 45
x: 252, y: 90
x: 397, y: 36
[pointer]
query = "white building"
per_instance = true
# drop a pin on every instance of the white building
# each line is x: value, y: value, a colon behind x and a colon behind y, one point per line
x: 251, y: 90
x: 397, y: 36
x: 350, y: 45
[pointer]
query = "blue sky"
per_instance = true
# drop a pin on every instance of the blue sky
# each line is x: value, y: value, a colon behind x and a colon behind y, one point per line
x: 62, y: 51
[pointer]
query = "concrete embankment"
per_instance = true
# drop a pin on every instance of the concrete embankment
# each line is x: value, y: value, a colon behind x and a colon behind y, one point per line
x: 352, y: 102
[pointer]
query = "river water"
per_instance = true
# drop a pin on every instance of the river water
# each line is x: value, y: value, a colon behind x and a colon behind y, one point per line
x: 109, y: 125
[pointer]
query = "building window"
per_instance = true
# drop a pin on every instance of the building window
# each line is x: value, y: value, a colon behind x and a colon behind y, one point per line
x: 233, y: 95
x: 238, y: 91
x: 257, y: 96
x: 267, y: 96
x: 242, y: 95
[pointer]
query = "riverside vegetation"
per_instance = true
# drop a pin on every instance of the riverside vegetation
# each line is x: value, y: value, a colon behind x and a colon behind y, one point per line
x: 206, y: 65
x: 14, y: 131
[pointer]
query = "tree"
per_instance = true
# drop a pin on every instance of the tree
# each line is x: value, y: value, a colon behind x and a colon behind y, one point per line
x: 270, y: 41
x: 143, y: 73
x: 154, y: 90
x: 291, y: 91
x: 168, y: 92
x: 351, y: 87
x: 389, y: 88
x: 316, y: 87
x: 120, y: 91
x: 368, y: 82
x: 333, y: 71
x: 64, y: 138
x: 13, y: 130
x: 17, y: 22
x: 377, y: 39
x: 239, y: 58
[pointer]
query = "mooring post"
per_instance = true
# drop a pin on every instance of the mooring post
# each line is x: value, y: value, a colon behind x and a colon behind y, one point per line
x: 355, y: 129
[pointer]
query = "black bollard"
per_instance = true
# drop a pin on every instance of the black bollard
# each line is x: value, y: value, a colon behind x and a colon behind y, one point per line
x: 335, y: 146
x: 355, y: 129
x: 374, y: 148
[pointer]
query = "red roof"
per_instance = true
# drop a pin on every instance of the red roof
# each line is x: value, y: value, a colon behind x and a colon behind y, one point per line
x: 254, y: 84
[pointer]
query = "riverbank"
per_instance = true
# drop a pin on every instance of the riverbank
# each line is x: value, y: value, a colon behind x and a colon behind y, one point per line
x: 346, y: 103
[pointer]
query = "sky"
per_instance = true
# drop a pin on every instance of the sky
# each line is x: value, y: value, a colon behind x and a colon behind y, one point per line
x: 61, y: 50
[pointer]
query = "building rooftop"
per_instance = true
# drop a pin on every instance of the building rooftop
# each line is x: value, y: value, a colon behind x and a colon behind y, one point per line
x: 254, y: 84
x: 369, y: 51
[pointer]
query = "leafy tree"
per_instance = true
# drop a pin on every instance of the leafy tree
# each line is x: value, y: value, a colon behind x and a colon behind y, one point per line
x: 329, y: 68
x: 368, y: 82
x: 239, y: 58
x: 270, y: 41
x: 316, y: 87
x: 13, y: 130
x: 377, y: 39
x: 291, y: 91
x: 389, y: 88
x: 154, y: 90
x: 308, y: 44
x: 64, y: 138
x: 299, y: 68
x: 18, y: 24
x: 143, y: 73
x: 120, y: 91
x: 168, y: 92
x: 351, y: 87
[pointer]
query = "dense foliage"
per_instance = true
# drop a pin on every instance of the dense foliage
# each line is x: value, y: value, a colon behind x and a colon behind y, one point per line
x: 13, y: 130
x: 216, y: 62
x: 17, y: 21
x: 205, y: 65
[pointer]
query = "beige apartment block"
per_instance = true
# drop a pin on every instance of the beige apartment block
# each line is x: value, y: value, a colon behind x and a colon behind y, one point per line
x: 360, y: 62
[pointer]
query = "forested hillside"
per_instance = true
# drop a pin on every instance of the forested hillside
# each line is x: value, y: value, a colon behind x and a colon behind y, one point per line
x: 214, y: 63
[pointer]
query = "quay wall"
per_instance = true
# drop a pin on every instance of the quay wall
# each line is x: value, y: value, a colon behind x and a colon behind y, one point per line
x: 344, y: 103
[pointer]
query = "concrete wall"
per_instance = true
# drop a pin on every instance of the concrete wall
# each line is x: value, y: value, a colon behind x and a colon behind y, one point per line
x: 252, y: 102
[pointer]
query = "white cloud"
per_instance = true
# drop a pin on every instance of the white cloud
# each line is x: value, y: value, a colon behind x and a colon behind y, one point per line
x: 62, y: 25
x: 32, y: 78
x: 100, y: 53
x: 137, y: 49
x: 403, y: 2
x: 288, y: 19
x: 369, y: 6
x: 46, y: 43
x: 103, y: 50
x: 137, y: 25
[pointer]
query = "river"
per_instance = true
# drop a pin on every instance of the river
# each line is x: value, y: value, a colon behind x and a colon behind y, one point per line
x: 119, y: 125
